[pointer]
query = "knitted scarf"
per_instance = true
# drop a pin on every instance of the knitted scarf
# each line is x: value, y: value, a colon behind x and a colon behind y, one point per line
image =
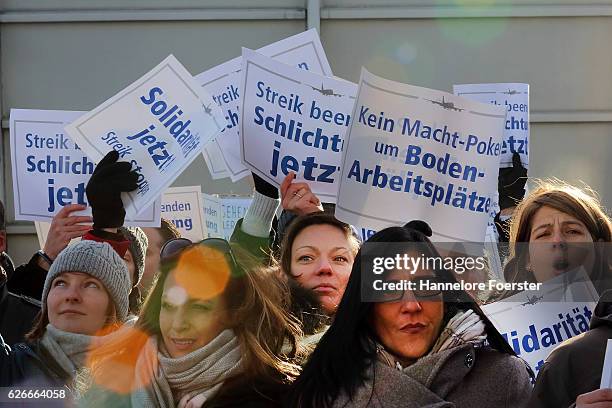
x: 69, y: 350
x: 163, y: 381
x: 465, y: 327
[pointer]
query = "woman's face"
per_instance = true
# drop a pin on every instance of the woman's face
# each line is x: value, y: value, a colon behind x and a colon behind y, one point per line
x: 408, y: 328
x: 131, y: 265
x: 78, y: 303
x: 187, y: 321
x: 321, y: 260
x: 554, y: 244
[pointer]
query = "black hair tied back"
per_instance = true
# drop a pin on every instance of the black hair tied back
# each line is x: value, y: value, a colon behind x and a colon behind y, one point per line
x: 420, y: 226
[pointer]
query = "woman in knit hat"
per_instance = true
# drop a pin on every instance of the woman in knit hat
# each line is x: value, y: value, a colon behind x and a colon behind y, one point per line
x: 135, y: 259
x: 85, y: 298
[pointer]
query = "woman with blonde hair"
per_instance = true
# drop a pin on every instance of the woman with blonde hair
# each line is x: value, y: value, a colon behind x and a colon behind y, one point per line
x: 557, y: 228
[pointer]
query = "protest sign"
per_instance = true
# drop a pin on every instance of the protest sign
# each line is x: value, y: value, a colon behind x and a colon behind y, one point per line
x: 606, y: 373
x: 50, y: 170
x: 222, y: 212
x: 534, y: 323
x: 293, y: 120
x: 417, y: 153
x: 515, y: 99
x: 183, y: 207
x: 213, y: 215
x: 234, y: 208
x: 160, y: 123
x: 303, y: 50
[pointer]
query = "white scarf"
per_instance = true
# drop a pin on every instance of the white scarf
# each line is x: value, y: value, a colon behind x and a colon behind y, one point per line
x: 195, y: 378
x: 465, y: 327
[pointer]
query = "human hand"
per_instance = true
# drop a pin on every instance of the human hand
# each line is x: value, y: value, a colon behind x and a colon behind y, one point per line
x: 595, y: 399
x: 297, y: 197
x: 109, y: 179
x: 511, y: 183
x: 64, y: 228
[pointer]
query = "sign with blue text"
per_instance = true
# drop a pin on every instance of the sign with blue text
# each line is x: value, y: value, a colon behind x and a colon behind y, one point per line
x: 420, y: 154
x: 515, y: 100
x: 234, y: 208
x: 50, y: 170
x: 160, y: 124
x: 303, y: 50
x: 535, y: 322
x: 213, y: 215
x: 222, y: 212
x: 183, y: 206
x: 293, y: 120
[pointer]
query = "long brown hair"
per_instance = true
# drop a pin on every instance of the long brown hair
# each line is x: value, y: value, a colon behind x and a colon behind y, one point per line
x: 581, y: 203
x: 255, y: 305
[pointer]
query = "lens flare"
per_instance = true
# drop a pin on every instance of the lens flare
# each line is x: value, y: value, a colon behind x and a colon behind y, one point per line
x: 203, y: 272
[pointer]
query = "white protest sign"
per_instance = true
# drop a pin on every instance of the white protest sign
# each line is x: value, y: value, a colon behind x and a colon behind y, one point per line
x: 606, y: 373
x: 303, y: 50
x: 535, y: 322
x: 50, y: 171
x: 160, y: 123
x: 183, y: 207
x: 213, y: 156
x: 515, y: 99
x: 213, y: 215
x: 417, y: 153
x: 293, y: 120
x: 234, y: 208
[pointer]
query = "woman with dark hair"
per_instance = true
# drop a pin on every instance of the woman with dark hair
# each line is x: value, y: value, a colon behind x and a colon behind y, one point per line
x: 558, y: 228
x: 422, y: 348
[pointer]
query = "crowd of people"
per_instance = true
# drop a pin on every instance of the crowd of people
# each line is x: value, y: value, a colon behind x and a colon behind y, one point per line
x: 140, y: 317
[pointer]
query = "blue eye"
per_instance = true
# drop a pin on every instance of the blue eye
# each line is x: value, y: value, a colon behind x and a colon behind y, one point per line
x: 305, y: 258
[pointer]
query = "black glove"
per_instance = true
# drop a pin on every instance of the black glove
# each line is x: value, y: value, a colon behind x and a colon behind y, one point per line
x: 263, y: 187
x: 109, y: 179
x: 511, y: 183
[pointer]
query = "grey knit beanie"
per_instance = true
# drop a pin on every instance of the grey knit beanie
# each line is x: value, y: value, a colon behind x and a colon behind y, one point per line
x: 138, y: 248
x: 99, y: 260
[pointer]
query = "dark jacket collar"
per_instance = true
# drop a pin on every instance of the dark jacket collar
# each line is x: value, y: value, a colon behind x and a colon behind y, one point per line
x: 603, y: 312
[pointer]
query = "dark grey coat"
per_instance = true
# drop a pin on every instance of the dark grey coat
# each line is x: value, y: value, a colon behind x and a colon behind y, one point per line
x: 463, y: 377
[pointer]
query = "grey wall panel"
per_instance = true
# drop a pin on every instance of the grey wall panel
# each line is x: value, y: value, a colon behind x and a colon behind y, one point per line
x: 22, y: 247
x: 453, y: 3
x: 566, y: 60
x: 60, y: 5
x: 79, y: 65
x: 577, y: 153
